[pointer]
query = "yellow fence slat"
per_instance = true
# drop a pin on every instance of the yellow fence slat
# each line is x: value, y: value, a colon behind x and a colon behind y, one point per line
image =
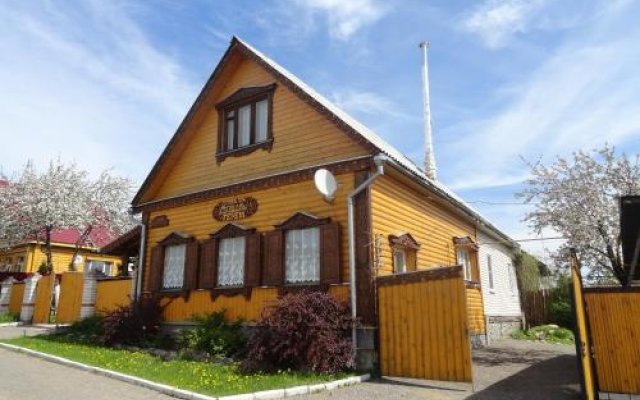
x: 111, y: 294
x: 15, y: 302
x: 584, y: 343
x: 614, y: 319
x: 42, y: 307
x: 423, y: 325
x: 70, y: 297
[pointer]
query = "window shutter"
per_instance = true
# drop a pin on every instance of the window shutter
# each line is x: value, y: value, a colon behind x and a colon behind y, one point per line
x: 157, y: 269
x: 273, y: 272
x: 208, y: 264
x: 330, y: 253
x: 252, y: 261
x: 191, y: 266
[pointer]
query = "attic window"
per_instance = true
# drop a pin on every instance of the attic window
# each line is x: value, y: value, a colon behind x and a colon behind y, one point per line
x: 245, y: 122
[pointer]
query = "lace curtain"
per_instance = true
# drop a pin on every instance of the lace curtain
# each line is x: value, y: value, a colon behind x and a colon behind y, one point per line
x: 174, y: 266
x: 302, y: 258
x: 463, y: 259
x: 231, y: 261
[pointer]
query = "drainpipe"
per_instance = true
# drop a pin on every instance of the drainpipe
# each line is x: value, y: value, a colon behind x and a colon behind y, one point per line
x: 139, y: 271
x: 379, y: 161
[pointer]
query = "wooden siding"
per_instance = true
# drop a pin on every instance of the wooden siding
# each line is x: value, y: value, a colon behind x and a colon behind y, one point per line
x: 70, y: 297
x: 475, y: 310
x: 274, y: 206
x: 111, y: 294
x: 42, y: 307
x: 237, y: 307
x: 61, y: 258
x: 15, y: 303
x: 614, y: 319
x: 397, y: 208
x: 423, y: 330
x: 302, y: 137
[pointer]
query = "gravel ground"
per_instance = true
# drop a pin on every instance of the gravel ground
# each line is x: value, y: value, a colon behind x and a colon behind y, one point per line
x: 508, y: 370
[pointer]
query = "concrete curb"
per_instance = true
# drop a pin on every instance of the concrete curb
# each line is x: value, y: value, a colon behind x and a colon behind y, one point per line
x: 10, y: 324
x: 186, y: 394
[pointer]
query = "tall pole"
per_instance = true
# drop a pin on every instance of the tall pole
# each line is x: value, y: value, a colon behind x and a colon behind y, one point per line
x: 429, y: 157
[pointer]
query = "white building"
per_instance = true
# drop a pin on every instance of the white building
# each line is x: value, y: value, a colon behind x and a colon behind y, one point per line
x: 501, y: 298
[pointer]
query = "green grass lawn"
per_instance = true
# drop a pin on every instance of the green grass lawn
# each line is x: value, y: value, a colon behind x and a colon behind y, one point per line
x: 546, y: 333
x: 5, y: 318
x: 201, y: 377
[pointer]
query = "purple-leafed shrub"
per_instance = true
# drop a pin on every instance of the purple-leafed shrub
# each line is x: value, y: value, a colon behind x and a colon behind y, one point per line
x: 304, y: 331
x: 137, y: 324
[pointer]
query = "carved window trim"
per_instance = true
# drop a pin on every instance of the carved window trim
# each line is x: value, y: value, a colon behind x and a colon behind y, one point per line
x: 405, y: 243
x: 302, y: 220
x: 467, y: 244
x: 232, y: 230
x: 176, y: 238
x: 240, y: 98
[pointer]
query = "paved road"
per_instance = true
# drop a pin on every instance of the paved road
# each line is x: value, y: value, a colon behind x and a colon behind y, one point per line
x: 508, y: 370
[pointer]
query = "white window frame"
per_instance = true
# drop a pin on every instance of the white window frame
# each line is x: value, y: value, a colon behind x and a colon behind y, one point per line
x: 511, y: 279
x: 399, y: 267
x: 89, y: 266
x: 302, y: 256
x: 231, y: 261
x: 465, y: 262
x: 490, y: 272
x: 174, y: 264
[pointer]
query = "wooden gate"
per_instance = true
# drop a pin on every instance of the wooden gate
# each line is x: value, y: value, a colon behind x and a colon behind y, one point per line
x: 583, y: 342
x: 614, y: 319
x: 42, y: 307
x: 423, y: 325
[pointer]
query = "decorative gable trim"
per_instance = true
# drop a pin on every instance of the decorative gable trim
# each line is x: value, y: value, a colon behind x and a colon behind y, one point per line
x: 465, y: 241
x: 404, y: 240
x: 159, y: 221
x: 176, y: 238
x: 232, y: 230
x: 302, y: 220
x: 246, y: 94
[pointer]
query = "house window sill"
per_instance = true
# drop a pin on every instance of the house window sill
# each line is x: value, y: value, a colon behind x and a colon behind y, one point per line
x: 243, y: 151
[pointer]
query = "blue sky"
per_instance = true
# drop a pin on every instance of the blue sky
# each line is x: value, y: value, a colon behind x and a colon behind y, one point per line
x: 106, y: 83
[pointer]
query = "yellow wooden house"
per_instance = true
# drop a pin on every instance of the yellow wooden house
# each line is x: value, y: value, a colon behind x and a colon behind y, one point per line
x: 232, y: 218
x: 27, y: 257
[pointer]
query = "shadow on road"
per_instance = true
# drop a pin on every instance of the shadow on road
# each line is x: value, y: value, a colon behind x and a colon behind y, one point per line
x: 553, y: 378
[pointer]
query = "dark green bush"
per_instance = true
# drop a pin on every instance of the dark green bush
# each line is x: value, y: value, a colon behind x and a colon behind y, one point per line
x: 560, y: 311
x: 215, y: 335
x: 87, y: 330
x: 137, y: 324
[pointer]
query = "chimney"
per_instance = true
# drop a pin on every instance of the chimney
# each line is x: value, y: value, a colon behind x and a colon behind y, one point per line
x: 429, y: 158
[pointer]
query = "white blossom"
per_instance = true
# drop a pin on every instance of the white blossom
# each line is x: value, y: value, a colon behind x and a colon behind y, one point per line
x: 62, y: 197
x: 579, y: 198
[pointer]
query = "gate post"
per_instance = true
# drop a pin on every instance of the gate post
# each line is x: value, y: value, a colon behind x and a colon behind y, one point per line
x: 29, y: 297
x: 5, y: 295
x: 88, y: 307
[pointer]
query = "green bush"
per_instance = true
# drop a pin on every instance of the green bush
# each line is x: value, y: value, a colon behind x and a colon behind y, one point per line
x: 560, y: 310
x: 87, y: 330
x: 8, y: 317
x: 547, y: 333
x: 214, y: 335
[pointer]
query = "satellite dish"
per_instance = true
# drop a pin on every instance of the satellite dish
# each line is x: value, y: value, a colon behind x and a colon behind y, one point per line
x: 326, y: 183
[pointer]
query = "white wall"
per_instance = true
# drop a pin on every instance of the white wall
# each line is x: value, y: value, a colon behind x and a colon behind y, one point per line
x: 502, y: 300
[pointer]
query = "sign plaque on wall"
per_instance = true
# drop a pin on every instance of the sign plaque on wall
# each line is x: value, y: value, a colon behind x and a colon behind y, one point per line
x: 236, y: 209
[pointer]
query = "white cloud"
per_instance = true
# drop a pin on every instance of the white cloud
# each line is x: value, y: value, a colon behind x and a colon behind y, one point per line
x: 84, y: 83
x: 345, y: 18
x: 366, y: 103
x: 583, y: 94
x: 497, y: 21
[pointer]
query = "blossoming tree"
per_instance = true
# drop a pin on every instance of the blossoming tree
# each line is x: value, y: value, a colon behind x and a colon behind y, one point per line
x: 34, y: 205
x: 579, y: 198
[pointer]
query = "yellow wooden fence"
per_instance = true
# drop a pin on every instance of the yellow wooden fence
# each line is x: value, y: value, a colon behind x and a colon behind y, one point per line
x: 112, y: 293
x: 70, y: 297
x: 42, y: 306
x: 424, y: 326
x: 614, y: 319
x: 15, y: 303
